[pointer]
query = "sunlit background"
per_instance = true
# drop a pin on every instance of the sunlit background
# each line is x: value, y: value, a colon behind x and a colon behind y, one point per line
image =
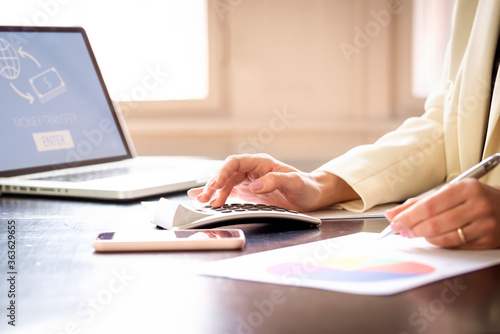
x: 215, y: 77
x: 131, y: 39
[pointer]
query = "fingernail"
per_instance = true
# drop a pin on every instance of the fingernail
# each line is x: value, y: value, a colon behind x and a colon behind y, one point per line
x: 404, y: 233
x: 201, y: 195
x: 214, y: 181
x: 257, y: 185
x: 213, y: 200
x: 395, y: 227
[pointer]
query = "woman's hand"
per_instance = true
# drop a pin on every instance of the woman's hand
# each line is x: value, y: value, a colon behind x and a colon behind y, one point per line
x: 260, y: 178
x: 463, y: 215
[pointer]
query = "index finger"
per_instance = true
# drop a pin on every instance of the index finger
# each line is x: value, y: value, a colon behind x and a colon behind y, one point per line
x: 425, y: 209
x: 237, y: 164
x: 393, y: 212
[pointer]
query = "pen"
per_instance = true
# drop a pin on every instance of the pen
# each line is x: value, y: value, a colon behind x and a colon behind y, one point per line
x: 476, y: 172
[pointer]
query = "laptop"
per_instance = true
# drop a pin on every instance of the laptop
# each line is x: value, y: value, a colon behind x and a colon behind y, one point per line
x: 61, y: 133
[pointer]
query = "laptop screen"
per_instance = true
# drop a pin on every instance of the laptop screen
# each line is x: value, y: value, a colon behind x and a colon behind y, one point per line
x: 55, y: 110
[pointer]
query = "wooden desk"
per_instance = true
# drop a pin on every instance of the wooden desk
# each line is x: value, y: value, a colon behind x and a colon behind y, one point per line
x: 62, y: 286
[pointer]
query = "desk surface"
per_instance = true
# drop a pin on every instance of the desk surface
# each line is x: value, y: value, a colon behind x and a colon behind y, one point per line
x: 62, y: 286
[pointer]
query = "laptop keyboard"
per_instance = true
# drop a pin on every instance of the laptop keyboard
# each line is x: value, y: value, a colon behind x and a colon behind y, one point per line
x: 98, y: 174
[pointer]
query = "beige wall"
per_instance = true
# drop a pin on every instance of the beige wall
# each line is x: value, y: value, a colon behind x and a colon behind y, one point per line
x: 284, y: 86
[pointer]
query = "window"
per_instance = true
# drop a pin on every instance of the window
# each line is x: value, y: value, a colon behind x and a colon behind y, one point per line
x: 431, y: 30
x: 148, y: 50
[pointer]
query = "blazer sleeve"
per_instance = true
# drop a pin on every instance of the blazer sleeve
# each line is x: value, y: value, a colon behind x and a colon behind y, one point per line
x: 403, y: 163
x: 413, y: 158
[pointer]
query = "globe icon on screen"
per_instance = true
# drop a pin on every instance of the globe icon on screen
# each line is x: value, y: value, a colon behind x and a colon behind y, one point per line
x: 9, y: 60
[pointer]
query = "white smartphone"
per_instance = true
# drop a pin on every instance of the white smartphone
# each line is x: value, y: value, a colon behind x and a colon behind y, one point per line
x: 165, y: 240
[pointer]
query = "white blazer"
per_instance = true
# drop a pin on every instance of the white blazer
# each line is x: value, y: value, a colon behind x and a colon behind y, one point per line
x: 457, y: 130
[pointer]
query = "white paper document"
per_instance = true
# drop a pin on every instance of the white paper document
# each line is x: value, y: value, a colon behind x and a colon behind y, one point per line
x: 356, y: 263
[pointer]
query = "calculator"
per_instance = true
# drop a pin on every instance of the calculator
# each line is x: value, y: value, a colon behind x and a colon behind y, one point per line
x: 186, y: 215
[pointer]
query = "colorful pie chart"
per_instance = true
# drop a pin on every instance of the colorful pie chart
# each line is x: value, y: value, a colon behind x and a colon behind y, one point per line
x: 352, y: 269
